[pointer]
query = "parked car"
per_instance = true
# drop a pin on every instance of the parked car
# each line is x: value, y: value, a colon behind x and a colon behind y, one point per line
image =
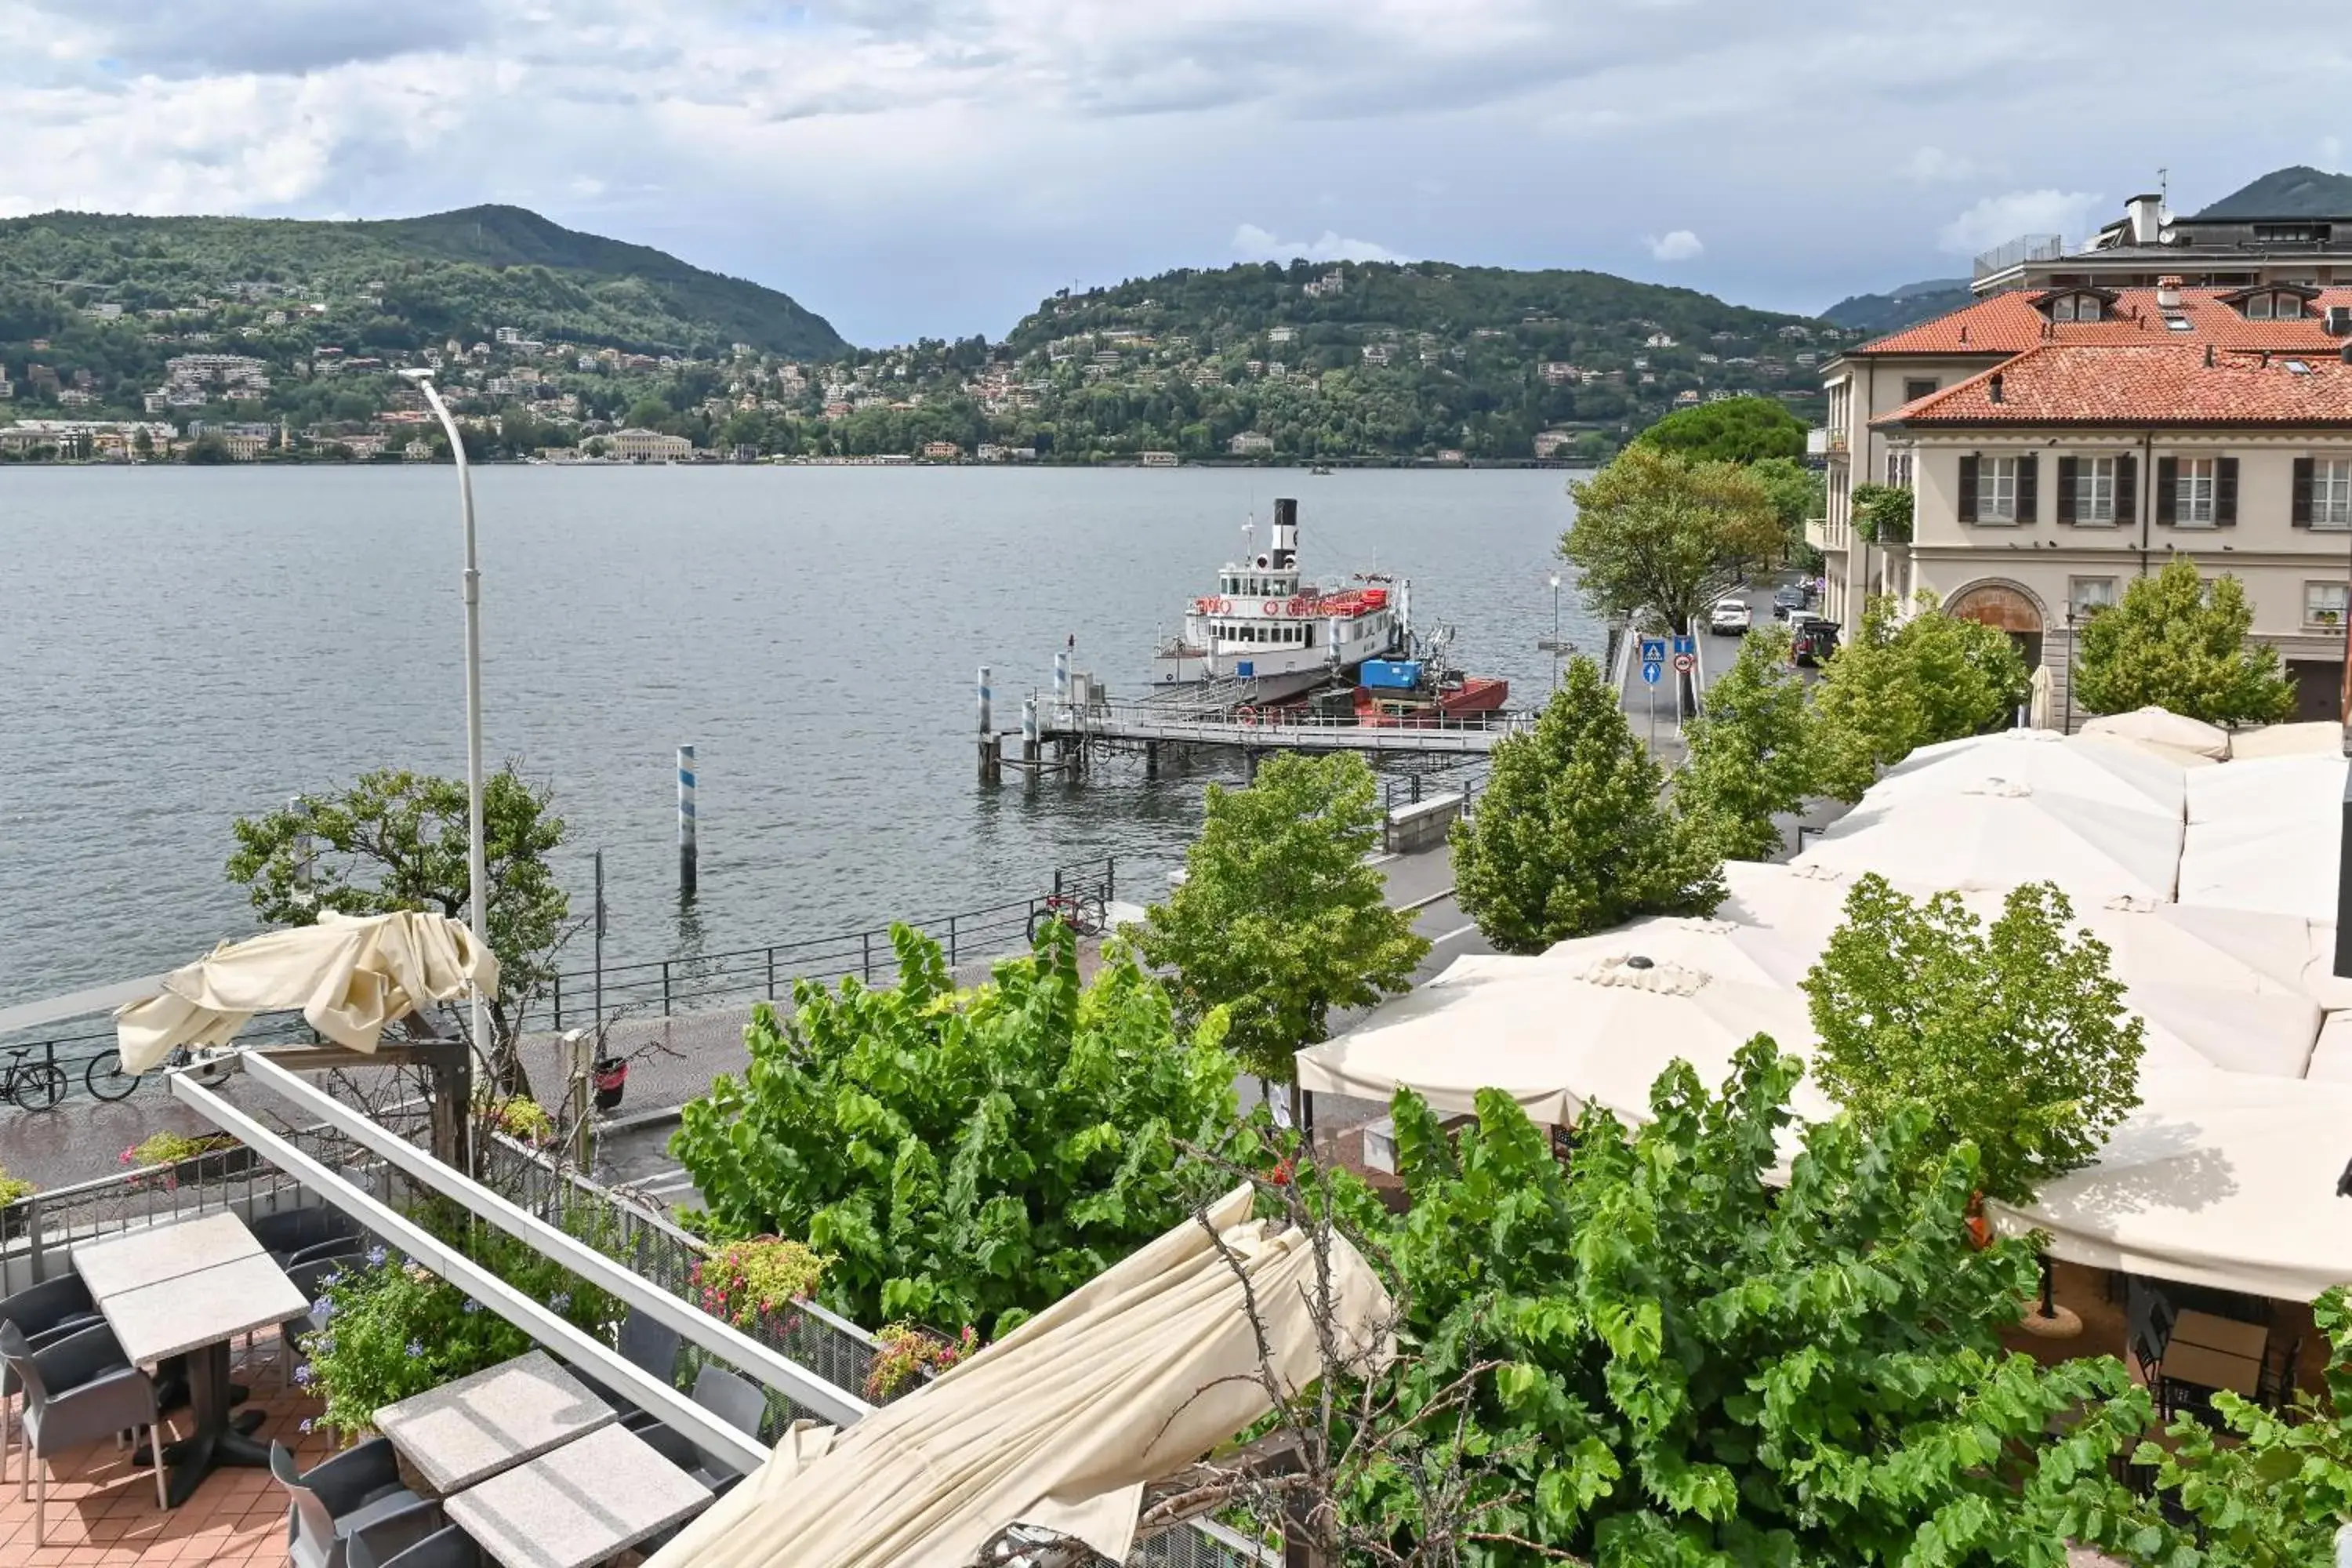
x: 1730, y: 618
x: 1814, y: 641
x: 1788, y: 601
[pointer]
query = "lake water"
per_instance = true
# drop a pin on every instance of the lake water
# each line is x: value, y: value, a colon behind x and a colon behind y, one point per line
x: 179, y: 647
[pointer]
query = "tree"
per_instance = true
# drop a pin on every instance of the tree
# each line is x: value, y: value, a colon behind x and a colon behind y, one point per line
x: 209, y: 447
x: 2011, y: 1039
x: 1279, y: 919
x: 1752, y: 754
x: 2176, y: 642
x: 1797, y: 495
x: 1734, y: 430
x: 1903, y: 685
x: 398, y: 840
x: 1703, y: 1366
x: 1570, y: 836
x: 1883, y: 513
x: 964, y: 1158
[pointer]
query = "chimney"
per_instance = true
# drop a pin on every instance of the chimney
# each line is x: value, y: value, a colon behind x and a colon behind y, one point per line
x: 2347, y: 354
x: 2208, y: 356
x: 2147, y: 216
x: 2167, y: 293
x: 1993, y: 387
x: 2339, y: 320
x: 1285, y: 541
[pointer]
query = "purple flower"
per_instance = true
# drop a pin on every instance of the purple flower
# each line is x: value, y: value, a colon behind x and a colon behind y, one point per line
x: 560, y: 1300
x: 322, y: 1309
x: 472, y: 1305
x: 375, y: 1256
x: 323, y: 1345
x: 415, y: 1348
x: 306, y: 1426
x: 302, y: 1375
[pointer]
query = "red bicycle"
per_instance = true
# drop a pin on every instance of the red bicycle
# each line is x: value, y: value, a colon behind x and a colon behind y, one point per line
x: 1082, y: 912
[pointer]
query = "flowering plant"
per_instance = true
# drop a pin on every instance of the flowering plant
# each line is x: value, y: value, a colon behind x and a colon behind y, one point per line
x: 164, y: 1150
x: 13, y: 1188
x: 905, y: 1351
x: 521, y: 1118
x: 746, y: 1281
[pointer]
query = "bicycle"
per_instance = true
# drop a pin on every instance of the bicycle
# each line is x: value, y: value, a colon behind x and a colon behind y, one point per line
x: 105, y: 1078
x: 32, y: 1086
x: 1082, y: 912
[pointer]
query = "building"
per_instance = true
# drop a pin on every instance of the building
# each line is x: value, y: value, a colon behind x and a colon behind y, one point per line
x: 637, y: 446
x: 1329, y: 286
x: 1250, y: 444
x: 1160, y: 459
x: 2045, y: 484
x: 2231, y: 244
x: 1867, y: 383
x: 942, y: 452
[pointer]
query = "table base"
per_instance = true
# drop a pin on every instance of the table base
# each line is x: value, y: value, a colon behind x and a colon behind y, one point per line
x: 217, y: 1439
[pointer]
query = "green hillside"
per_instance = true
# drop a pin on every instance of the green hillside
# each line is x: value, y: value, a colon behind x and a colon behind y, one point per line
x: 401, y: 283
x: 1904, y: 307
x: 2297, y: 192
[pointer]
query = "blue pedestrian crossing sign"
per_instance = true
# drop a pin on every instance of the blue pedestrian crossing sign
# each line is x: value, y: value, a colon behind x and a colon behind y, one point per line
x: 1651, y: 669
x: 1686, y: 644
x: 1653, y: 650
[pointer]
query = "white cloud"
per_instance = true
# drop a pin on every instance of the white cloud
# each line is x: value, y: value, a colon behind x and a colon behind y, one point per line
x: 1254, y: 244
x: 1996, y: 220
x: 1680, y: 245
x: 1934, y: 166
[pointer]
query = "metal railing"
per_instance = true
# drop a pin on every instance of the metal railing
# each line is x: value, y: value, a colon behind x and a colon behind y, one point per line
x: 1464, y: 779
x: 668, y: 985
x: 2025, y: 247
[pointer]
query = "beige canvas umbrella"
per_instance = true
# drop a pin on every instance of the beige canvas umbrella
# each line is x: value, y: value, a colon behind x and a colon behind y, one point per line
x: 2117, y: 776
x: 2265, y: 836
x: 2322, y: 737
x: 351, y: 976
x: 2161, y: 727
x: 1995, y: 835
x: 1060, y: 1424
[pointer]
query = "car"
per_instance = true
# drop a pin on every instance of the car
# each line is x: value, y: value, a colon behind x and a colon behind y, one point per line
x: 1815, y: 640
x: 1730, y: 618
x: 1788, y: 601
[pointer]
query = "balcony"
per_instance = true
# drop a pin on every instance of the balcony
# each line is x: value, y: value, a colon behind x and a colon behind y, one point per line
x: 1821, y: 440
x: 1817, y: 534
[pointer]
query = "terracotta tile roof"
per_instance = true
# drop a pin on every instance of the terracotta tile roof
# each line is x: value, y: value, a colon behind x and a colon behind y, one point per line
x: 2011, y: 323
x: 2143, y: 385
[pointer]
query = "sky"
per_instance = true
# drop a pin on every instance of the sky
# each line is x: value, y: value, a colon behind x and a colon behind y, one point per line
x: 935, y: 167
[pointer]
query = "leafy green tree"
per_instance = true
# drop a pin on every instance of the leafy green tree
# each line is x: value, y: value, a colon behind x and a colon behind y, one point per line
x: 1752, y: 753
x: 1570, y: 836
x: 1702, y: 1367
x: 2011, y: 1038
x: 398, y: 840
x: 965, y: 1157
x: 2176, y: 642
x: 209, y: 447
x: 1734, y: 430
x: 1797, y: 494
x: 1279, y: 919
x: 1883, y: 513
x: 1903, y: 685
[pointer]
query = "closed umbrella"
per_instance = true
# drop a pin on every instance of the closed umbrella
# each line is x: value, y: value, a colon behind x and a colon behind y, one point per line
x: 351, y: 976
x: 2161, y: 727
x: 1996, y: 834
x: 1063, y: 1423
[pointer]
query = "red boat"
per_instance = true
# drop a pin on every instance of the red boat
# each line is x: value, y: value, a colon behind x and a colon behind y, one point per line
x: 1411, y: 692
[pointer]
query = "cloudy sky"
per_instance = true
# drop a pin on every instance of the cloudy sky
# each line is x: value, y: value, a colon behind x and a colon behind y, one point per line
x: 913, y: 167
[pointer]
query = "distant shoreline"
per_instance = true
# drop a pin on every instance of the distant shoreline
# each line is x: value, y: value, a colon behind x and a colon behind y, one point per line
x: 1417, y: 465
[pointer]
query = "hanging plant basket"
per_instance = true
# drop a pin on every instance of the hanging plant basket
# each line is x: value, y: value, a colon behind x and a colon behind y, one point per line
x: 609, y: 1078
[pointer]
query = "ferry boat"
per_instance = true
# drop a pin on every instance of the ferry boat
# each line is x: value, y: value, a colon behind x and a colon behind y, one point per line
x: 1265, y: 624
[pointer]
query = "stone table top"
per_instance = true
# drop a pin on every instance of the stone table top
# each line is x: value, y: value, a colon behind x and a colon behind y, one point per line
x: 163, y: 1252
x: 467, y: 1431
x: 201, y: 1308
x: 579, y: 1504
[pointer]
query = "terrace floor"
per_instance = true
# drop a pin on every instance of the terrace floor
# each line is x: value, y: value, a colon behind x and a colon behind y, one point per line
x: 103, y: 1513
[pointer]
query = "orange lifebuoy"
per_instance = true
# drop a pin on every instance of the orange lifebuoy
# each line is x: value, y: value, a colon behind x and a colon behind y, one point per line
x: 1272, y: 607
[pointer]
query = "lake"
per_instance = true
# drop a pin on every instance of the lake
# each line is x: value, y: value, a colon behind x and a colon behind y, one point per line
x: 179, y: 647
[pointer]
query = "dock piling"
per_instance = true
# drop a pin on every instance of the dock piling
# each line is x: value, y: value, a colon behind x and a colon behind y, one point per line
x: 992, y: 756
x: 689, y: 852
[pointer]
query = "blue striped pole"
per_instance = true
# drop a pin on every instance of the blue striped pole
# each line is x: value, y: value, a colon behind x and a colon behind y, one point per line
x: 688, y: 852
x: 1061, y: 680
x: 991, y: 757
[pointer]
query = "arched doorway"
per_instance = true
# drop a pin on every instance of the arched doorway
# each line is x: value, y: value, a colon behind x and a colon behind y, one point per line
x: 2007, y: 607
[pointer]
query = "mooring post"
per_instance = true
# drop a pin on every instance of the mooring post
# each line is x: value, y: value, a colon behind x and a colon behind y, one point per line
x: 1151, y: 759
x: 1029, y: 734
x: 688, y: 851
x: 1061, y: 680
x: 992, y: 756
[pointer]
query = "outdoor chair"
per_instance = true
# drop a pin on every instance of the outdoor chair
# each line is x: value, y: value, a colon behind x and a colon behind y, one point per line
x: 734, y: 1399
x: 378, y: 1544
x: 78, y: 1390
x: 650, y: 1345
x: 682, y: 1451
x: 2276, y: 1386
x: 290, y: 1231
x: 44, y: 1314
x: 446, y: 1548
x: 334, y: 1247
x: 311, y: 1279
x: 357, y: 1488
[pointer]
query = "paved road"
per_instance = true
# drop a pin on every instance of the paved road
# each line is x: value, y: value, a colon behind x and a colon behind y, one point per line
x: 1652, y: 708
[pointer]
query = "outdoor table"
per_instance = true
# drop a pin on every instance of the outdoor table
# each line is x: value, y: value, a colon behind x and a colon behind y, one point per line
x: 464, y: 1432
x: 2225, y: 1334
x: 2205, y: 1367
x: 578, y: 1504
x: 196, y: 1294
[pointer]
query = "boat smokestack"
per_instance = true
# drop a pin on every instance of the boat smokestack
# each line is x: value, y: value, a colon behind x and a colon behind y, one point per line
x: 1285, y: 534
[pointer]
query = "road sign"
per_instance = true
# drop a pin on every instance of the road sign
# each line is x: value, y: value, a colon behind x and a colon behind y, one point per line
x: 1653, y: 650
x: 1650, y: 670
x: 1685, y: 663
x: 1685, y: 645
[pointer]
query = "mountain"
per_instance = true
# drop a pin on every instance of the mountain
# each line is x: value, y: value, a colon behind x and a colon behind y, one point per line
x: 1900, y: 308
x: 2298, y: 192
x: 403, y: 282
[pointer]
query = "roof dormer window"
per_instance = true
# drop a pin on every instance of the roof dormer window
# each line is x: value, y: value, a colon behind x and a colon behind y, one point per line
x: 2077, y: 307
x: 2283, y: 303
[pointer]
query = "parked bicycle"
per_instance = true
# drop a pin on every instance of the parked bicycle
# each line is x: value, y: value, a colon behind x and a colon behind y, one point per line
x: 1082, y: 912
x: 105, y: 1077
x: 32, y: 1084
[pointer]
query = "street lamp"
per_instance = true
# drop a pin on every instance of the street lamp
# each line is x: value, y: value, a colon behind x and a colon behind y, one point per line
x: 1552, y: 645
x: 478, y: 872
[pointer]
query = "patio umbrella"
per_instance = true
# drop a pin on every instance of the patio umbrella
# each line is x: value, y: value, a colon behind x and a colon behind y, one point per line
x: 2162, y: 727
x: 1060, y: 1424
x: 1997, y: 835
x: 1745, y: 952
x: 2287, y: 950
x: 2113, y: 775
x: 351, y: 976
x: 2265, y: 836
x: 2322, y: 737
x: 1557, y: 1038
x: 2331, y: 1058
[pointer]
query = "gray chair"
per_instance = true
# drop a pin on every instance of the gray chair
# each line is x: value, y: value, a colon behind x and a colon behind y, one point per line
x: 374, y: 1544
x: 335, y: 1247
x: 311, y: 1279
x: 290, y: 1231
x: 44, y: 1314
x: 358, y: 1488
x: 447, y: 1548
x: 650, y: 1345
x: 78, y: 1390
x: 733, y: 1398
x: 688, y: 1455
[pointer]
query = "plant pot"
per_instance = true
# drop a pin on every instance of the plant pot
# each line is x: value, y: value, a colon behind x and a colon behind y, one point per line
x: 609, y: 1078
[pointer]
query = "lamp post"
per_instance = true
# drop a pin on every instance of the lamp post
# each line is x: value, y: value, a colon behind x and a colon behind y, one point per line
x: 2068, y: 727
x: 477, y: 875
x: 1552, y: 645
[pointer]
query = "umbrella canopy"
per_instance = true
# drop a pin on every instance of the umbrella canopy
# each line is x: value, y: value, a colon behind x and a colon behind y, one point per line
x: 2162, y: 727
x: 2331, y: 1059
x: 2288, y: 952
x: 1995, y: 835
x: 1557, y: 1038
x: 1060, y: 1424
x: 2322, y: 737
x: 351, y: 976
x: 2111, y: 776
x: 2265, y: 836
x: 2221, y: 1179
x: 1748, y: 955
